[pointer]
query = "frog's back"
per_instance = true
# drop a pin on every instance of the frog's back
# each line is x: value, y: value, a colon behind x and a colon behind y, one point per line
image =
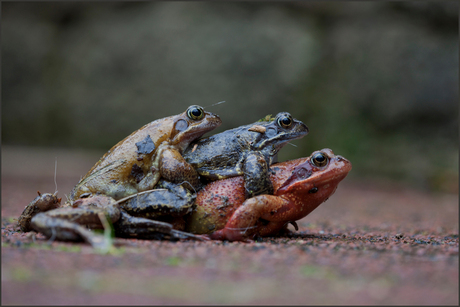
x: 126, y: 150
x: 226, y: 144
x: 222, y: 148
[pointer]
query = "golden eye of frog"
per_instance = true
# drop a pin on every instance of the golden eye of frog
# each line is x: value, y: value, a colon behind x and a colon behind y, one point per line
x: 300, y: 186
x: 247, y: 150
x: 136, y: 163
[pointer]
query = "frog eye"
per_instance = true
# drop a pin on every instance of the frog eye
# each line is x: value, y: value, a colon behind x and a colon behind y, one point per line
x: 195, y: 112
x: 319, y: 159
x: 285, y: 120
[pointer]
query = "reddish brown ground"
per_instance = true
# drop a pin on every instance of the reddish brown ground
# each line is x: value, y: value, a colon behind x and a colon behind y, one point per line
x: 368, y: 244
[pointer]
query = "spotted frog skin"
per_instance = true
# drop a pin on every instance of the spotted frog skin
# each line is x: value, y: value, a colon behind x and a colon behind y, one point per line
x: 247, y: 150
x: 300, y: 185
x: 137, y: 162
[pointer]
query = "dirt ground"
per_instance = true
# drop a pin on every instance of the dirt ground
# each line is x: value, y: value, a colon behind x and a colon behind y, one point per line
x: 370, y: 243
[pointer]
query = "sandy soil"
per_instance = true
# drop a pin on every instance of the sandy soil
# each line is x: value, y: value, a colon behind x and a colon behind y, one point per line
x: 370, y: 243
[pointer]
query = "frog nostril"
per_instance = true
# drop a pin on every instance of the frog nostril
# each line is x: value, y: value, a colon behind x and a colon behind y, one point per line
x: 340, y: 159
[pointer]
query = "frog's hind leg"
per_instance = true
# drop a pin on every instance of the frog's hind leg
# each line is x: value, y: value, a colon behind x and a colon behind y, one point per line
x: 142, y: 228
x: 138, y: 227
x: 257, y: 216
x: 64, y: 230
x: 72, y: 223
x: 167, y: 199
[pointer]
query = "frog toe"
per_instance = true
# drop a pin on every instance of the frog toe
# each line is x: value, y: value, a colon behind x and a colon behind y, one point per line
x: 186, y: 235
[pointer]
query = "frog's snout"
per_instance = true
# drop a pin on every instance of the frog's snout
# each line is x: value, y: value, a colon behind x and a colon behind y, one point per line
x: 214, y: 118
x: 342, y: 159
x: 304, y: 128
x: 346, y: 164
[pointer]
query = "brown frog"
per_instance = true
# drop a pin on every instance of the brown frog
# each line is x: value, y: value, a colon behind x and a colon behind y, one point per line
x: 135, y: 165
x: 137, y: 162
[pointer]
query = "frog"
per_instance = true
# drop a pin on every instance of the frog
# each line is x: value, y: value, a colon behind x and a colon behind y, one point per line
x: 223, y: 212
x: 248, y: 150
x: 137, y: 162
x: 135, y: 165
x: 75, y: 221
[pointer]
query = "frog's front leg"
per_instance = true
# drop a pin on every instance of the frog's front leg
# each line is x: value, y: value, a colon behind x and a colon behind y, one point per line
x: 169, y: 164
x: 72, y: 223
x: 256, y: 175
x: 174, y: 168
x: 253, y: 217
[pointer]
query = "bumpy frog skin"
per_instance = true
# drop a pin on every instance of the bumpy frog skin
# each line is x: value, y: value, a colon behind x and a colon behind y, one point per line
x: 136, y: 163
x: 300, y: 186
x: 247, y: 150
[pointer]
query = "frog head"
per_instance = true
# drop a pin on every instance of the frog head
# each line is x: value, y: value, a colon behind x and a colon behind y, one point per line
x: 191, y: 125
x: 275, y: 132
x: 318, y: 174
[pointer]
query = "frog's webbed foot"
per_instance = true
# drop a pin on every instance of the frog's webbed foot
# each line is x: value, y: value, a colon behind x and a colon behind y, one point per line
x: 186, y: 235
x: 42, y: 203
x: 256, y: 175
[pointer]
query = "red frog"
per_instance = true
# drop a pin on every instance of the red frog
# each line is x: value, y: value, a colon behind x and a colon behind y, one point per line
x: 300, y: 186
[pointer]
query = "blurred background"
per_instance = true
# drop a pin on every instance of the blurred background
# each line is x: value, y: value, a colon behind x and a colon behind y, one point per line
x: 377, y: 82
